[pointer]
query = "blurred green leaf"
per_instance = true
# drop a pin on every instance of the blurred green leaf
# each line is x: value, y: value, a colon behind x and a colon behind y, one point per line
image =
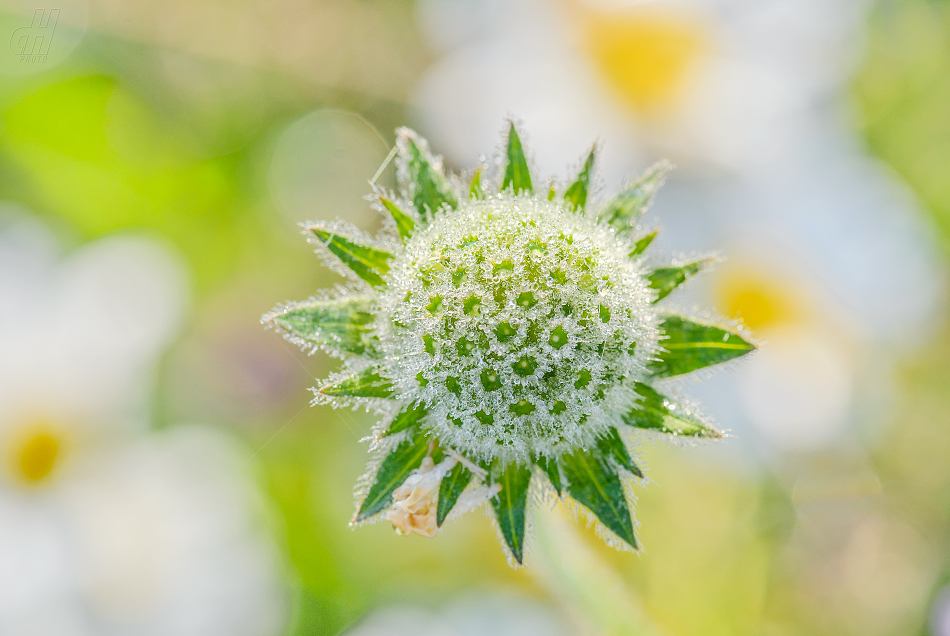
x: 78, y: 131
x: 89, y: 151
x: 902, y: 93
x: 776, y: 515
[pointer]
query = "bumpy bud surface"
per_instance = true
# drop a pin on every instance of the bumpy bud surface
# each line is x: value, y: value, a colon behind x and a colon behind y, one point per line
x: 520, y: 324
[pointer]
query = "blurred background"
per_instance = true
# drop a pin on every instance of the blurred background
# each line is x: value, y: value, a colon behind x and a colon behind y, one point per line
x: 161, y: 472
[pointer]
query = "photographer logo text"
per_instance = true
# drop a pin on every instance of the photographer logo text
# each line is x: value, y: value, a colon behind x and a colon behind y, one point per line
x: 31, y: 43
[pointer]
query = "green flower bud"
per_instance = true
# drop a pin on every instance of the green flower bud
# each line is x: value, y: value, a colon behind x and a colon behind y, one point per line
x: 510, y: 338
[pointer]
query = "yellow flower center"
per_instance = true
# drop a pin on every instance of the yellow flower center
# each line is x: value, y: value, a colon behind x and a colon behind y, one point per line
x: 33, y: 453
x: 759, y: 301
x: 646, y: 56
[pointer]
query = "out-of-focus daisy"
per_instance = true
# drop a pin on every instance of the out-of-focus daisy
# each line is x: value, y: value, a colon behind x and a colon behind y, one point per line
x: 844, y: 277
x: 799, y: 392
x: 79, y: 337
x: 729, y: 82
x: 940, y: 613
x: 104, y: 528
x: 839, y: 279
x: 153, y: 537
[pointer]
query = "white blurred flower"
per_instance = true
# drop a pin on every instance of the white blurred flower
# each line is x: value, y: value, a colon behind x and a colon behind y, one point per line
x: 940, y: 613
x: 722, y: 82
x: 799, y: 391
x: 475, y: 615
x: 830, y: 264
x: 79, y: 337
x: 742, y: 95
x: 105, y: 528
x: 154, y: 537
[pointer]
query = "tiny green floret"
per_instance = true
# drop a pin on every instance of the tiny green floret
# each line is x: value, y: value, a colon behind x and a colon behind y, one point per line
x: 512, y: 339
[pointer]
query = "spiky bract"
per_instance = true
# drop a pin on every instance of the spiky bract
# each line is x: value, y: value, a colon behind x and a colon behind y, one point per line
x: 516, y: 336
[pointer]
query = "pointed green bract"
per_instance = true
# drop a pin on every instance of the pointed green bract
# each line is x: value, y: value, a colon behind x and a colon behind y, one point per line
x: 397, y: 465
x: 406, y: 418
x: 343, y: 324
x: 597, y: 486
x: 643, y: 243
x: 576, y: 193
x: 367, y: 262
x: 550, y: 467
x: 428, y: 187
x: 510, y: 505
x: 658, y: 412
x: 611, y: 445
x: 691, y: 345
x: 665, y: 279
x: 517, y: 175
x: 404, y: 223
x: 450, y: 490
x: 623, y: 212
x: 367, y: 384
x: 475, y: 188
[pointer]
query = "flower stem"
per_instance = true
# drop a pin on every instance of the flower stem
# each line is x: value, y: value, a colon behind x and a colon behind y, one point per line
x: 565, y: 565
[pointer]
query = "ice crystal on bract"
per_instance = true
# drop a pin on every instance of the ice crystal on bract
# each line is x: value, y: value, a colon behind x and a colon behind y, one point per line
x: 509, y: 337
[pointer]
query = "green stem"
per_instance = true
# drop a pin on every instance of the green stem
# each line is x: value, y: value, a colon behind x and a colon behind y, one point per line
x: 565, y: 565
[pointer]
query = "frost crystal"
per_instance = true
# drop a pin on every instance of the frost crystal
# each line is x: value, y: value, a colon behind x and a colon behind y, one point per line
x: 517, y: 337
